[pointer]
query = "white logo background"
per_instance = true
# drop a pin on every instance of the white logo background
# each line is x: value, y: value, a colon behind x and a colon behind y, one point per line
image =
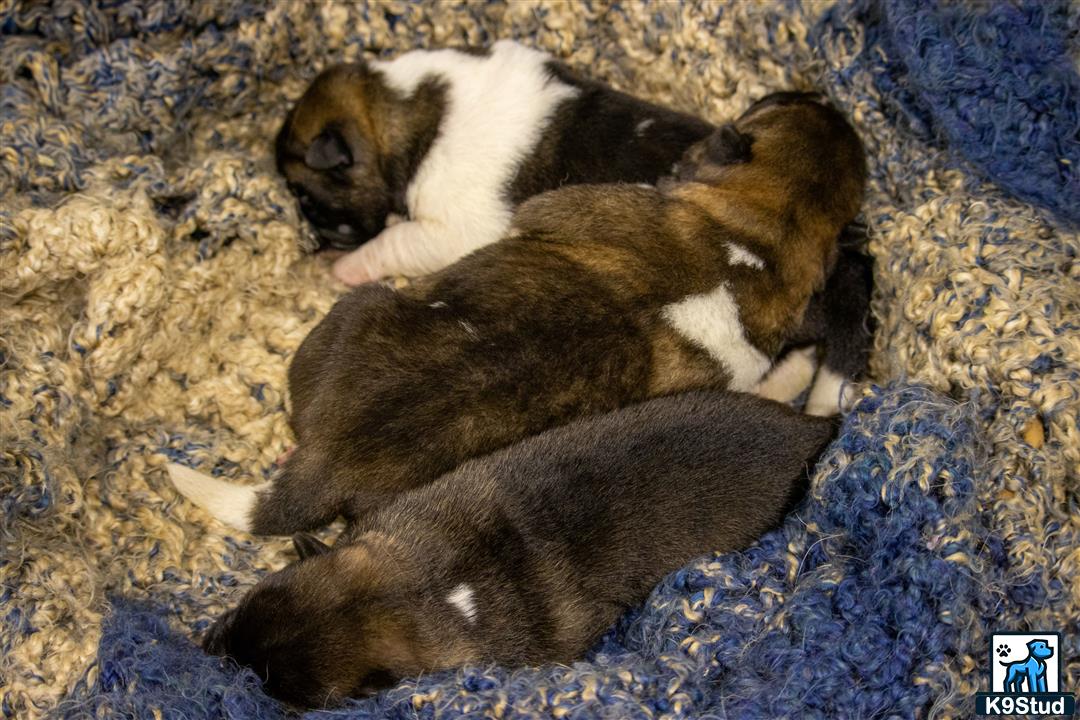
x: 1016, y: 646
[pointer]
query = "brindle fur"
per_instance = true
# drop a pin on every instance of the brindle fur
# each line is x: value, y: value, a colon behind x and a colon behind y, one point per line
x: 555, y: 537
x: 386, y: 134
x: 592, y: 138
x: 563, y: 319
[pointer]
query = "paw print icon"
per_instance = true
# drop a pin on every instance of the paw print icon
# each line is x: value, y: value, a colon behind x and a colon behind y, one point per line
x: 1003, y: 650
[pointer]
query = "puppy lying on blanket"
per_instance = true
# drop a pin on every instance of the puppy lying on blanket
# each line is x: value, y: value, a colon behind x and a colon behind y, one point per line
x: 602, y: 296
x: 414, y: 162
x: 451, y: 141
x: 527, y: 555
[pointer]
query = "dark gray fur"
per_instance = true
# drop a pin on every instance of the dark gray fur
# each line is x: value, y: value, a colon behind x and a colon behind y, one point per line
x: 556, y: 536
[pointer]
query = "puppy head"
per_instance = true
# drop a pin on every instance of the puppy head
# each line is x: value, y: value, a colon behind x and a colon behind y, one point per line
x: 788, y: 149
x: 334, y: 150
x: 325, y: 628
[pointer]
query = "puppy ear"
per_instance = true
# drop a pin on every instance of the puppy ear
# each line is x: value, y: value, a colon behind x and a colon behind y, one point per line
x: 728, y: 146
x: 327, y: 151
x: 307, y: 545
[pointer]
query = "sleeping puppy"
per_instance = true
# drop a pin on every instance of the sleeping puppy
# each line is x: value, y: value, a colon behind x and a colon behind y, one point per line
x: 832, y: 346
x: 527, y: 555
x: 452, y: 141
x: 601, y: 296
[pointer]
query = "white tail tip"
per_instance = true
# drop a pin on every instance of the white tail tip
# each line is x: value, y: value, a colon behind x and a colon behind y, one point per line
x: 229, y: 503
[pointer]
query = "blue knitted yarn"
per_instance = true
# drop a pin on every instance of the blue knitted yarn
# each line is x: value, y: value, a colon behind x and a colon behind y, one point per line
x: 151, y: 316
x: 993, y: 82
x: 850, y: 609
x: 146, y: 667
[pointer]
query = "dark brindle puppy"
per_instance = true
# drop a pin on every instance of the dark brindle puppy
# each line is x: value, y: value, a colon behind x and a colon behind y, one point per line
x: 527, y: 555
x: 602, y: 296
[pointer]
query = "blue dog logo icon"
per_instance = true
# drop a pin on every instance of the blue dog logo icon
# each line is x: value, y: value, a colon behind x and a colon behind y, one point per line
x: 1028, y: 687
x: 1031, y: 670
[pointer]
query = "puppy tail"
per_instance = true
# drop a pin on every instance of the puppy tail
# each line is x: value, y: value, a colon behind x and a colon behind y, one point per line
x: 231, y: 504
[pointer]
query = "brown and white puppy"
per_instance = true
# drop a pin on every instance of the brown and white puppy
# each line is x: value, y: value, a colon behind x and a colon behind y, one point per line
x: 452, y: 141
x: 603, y: 296
x: 527, y: 555
x: 832, y: 346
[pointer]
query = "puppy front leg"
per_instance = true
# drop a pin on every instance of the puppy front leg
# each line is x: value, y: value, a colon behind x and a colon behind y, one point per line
x: 847, y: 333
x: 409, y: 248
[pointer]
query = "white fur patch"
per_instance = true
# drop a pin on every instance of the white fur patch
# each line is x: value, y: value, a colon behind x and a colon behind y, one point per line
x: 711, y: 320
x: 229, y: 503
x: 790, y: 377
x: 738, y: 255
x: 461, y: 597
x: 497, y: 108
x: 827, y: 395
x: 642, y: 126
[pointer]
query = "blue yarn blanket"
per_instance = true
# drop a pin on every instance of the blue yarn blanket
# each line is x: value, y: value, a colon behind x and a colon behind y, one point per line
x: 155, y: 285
x: 852, y: 609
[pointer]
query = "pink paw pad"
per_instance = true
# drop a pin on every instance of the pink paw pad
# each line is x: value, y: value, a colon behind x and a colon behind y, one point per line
x: 284, y: 456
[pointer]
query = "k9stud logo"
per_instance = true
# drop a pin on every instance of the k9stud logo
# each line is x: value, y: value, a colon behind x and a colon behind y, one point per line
x: 1025, y: 677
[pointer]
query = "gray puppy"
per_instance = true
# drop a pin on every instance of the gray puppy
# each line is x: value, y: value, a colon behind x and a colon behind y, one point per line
x: 527, y: 555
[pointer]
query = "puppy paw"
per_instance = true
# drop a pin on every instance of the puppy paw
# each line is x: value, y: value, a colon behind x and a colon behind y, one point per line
x: 790, y: 377
x: 831, y: 394
x: 285, y: 456
x: 353, y: 270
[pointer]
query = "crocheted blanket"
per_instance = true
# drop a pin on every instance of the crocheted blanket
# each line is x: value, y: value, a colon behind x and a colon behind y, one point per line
x: 156, y: 279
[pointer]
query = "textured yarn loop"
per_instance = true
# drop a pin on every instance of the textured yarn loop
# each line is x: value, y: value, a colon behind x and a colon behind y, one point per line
x: 156, y: 279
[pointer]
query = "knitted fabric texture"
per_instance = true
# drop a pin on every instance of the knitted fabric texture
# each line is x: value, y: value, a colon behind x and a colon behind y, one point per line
x: 156, y: 281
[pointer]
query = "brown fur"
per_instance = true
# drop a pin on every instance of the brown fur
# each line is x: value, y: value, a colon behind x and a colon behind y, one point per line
x: 387, y: 135
x: 552, y: 539
x: 592, y: 136
x: 563, y: 319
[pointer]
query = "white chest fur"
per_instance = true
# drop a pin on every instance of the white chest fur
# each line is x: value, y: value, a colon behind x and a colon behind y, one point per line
x: 497, y: 108
x: 711, y: 321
